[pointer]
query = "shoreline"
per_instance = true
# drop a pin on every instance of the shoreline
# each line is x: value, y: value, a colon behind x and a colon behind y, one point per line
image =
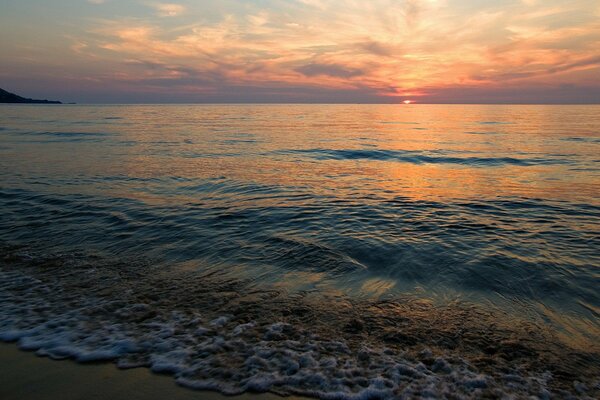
x: 24, y: 375
x: 210, y: 331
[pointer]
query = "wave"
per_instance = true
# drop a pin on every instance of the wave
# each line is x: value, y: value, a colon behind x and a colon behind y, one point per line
x: 60, y: 136
x: 65, y: 134
x: 419, y: 157
x: 256, y: 227
x: 582, y: 139
x: 211, y: 331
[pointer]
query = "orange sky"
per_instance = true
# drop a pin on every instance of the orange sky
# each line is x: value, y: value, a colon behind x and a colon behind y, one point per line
x: 303, y: 50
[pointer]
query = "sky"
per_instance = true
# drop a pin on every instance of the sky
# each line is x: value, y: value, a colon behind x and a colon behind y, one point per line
x: 315, y: 51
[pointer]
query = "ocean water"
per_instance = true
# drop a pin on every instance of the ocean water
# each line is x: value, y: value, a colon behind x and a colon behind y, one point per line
x: 335, y: 251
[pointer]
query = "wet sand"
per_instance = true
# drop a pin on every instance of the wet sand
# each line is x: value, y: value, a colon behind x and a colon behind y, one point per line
x: 23, y: 375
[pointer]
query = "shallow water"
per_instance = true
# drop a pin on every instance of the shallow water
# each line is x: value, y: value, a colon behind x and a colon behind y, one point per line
x: 494, y: 206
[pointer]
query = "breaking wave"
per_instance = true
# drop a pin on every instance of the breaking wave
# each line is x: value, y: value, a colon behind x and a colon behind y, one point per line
x: 211, y: 331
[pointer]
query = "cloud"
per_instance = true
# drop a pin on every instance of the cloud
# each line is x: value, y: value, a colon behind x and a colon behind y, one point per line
x: 338, y: 71
x: 385, y: 48
x: 168, y: 9
x: 377, y: 48
x: 591, y: 62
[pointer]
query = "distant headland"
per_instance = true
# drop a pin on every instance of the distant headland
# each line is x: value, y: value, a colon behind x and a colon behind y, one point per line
x: 7, y: 97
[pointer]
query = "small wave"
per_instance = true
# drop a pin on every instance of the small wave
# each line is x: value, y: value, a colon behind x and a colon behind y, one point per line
x: 68, y: 134
x: 417, y: 157
x: 191, y: 154
x: 297, y: 253
x: 59, y: 136
x: 582, y: 139
x: 237, y: 141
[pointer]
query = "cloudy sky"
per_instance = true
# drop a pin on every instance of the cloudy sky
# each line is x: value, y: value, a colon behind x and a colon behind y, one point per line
x: 488, y: 51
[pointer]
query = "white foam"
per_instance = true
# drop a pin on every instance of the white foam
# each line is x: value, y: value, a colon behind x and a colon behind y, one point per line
x: 238, y: 330
x: 220, y: 321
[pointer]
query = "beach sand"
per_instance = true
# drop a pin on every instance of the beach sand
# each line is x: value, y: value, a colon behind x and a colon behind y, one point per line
x: 24, y: 376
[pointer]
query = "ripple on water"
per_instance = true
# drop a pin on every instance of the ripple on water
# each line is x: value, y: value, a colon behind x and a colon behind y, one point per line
x: 478, y: 248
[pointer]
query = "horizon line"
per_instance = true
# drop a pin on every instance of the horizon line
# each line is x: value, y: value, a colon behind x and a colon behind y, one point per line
x: 414, y: 103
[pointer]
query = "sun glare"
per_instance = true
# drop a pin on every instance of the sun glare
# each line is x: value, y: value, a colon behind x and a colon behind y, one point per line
x: 407, y: 101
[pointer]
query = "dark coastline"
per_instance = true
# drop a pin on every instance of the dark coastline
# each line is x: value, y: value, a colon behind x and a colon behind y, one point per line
x: 11, y: 98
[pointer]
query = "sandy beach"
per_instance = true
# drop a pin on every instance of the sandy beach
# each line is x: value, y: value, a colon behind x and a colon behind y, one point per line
x: 23, y: 375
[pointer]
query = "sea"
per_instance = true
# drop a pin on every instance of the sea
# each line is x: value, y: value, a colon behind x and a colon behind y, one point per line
x: 328, y: 251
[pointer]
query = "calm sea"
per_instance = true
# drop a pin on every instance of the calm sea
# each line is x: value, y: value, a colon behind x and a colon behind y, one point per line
x: 497, y: 206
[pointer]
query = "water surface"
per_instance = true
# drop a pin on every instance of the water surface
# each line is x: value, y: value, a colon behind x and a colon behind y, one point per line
x: 494, y: 205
